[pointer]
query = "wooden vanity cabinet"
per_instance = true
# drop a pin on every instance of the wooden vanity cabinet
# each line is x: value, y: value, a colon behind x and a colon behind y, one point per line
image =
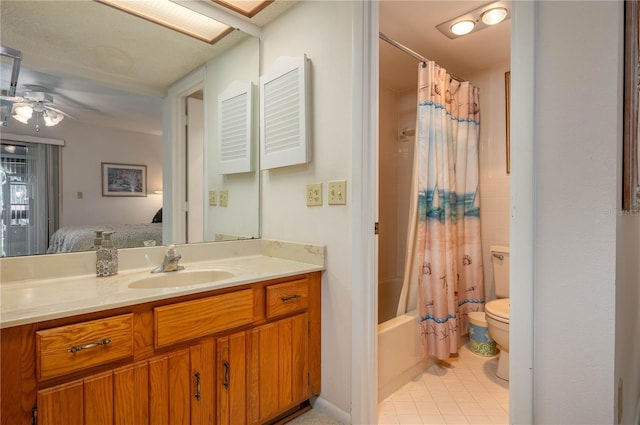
x: 254, y: 365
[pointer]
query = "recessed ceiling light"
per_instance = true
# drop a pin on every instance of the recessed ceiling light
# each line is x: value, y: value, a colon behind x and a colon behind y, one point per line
x: 174, y: 16
x: 494, y: 16
x: 462, y: 27
x: 248, y: 8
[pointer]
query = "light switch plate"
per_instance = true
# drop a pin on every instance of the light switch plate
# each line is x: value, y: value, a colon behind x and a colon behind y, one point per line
x: 224, y: 198
x: 337, y: 192
x: 213, y: 198
x: 314, y: 195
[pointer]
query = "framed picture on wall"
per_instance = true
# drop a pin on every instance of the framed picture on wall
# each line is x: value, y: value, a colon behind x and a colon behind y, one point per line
x: 631, y: 153
x: 124, y: 179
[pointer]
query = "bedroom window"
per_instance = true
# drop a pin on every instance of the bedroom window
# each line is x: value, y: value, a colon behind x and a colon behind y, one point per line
x: 28, y: 197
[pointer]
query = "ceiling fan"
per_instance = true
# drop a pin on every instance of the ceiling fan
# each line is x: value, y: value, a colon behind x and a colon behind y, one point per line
x: 36, y: 100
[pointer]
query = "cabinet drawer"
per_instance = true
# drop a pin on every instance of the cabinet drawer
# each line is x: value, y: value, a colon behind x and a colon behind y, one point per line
x: 287, y: 297
x: 75, y: 347
x: 193, y: 319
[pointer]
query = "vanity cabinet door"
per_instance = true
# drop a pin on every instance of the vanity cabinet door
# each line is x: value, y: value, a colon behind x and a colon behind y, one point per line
x: 279, y: 367
x: 231, y: 379
x: 119, y: 396
x: 131, y: 394
x: 181, y: 386
x: 61, y: 404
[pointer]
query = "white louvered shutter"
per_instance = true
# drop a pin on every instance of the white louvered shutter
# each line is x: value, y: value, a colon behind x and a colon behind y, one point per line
x: 284, y: 113
x: 235, y: 128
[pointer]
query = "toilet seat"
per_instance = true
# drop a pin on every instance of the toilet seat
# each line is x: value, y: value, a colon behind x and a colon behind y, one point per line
x: 498, y: 310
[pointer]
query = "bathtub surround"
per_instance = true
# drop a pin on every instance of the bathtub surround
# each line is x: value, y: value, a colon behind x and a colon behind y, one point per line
x: 399, y: 353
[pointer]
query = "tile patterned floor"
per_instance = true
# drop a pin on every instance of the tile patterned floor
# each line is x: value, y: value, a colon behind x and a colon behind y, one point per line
x: 463, y: 391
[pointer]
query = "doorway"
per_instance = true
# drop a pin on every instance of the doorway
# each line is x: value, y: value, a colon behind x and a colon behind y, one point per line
x: 195, y: 167
x: 521, y: 227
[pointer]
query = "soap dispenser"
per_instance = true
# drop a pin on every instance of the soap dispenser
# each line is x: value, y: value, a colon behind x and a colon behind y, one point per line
x: 106, y: 257
x: 97, y: 242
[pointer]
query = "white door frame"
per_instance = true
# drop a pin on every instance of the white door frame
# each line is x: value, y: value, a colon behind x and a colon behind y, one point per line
x: 522, y: 212
x: 364, y: 243
x: 174, y: 155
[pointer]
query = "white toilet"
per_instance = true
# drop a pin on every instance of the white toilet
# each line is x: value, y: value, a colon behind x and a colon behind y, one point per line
x: 497, y: 311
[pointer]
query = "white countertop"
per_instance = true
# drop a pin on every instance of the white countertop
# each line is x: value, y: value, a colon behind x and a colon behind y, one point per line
x: 35, y: 300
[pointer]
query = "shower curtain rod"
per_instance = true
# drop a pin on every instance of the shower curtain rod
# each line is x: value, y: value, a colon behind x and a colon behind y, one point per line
x: 405, y: 49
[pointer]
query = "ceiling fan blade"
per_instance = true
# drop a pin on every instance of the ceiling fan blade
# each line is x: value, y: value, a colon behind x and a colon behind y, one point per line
x: 49, y: 107
x: 74, y: 102
x: 14, y: 99
x: 49, y: 84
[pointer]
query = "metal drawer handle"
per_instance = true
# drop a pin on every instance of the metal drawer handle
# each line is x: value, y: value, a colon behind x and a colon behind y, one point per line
x: 75, y: 349
x: 498, y: 256
x: 197, y: 375
x: 291, y: 298
x: 226, y: 375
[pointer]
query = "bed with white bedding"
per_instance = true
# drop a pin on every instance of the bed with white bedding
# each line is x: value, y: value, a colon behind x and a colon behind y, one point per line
x: 81, y: 237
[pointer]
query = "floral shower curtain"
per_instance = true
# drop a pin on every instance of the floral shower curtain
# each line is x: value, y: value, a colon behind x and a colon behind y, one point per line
x: 445, y: 251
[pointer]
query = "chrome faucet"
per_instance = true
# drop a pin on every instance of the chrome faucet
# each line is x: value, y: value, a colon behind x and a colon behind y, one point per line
x: 170, y: 261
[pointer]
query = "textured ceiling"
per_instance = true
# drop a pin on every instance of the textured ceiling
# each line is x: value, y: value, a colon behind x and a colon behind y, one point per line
x: 103, y: 65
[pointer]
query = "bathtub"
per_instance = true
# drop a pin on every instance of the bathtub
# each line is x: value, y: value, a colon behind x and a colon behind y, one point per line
x: 399, y: 345
x: 399, y: 349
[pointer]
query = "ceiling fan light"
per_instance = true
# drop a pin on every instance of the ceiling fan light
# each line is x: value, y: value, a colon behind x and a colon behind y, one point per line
x: 494, y: 16
x: 52, y: 118
x: 21, y: 118
x: 23, y: 110
x: 462, y: 27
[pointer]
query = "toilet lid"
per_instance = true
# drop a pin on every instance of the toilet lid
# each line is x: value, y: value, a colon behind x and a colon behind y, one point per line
x: 498, y: 308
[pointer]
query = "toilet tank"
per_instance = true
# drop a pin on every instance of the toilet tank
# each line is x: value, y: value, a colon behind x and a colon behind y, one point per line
x: 500, y: 263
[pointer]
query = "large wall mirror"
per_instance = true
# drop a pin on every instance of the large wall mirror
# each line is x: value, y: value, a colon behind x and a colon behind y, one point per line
x: 110, y: 73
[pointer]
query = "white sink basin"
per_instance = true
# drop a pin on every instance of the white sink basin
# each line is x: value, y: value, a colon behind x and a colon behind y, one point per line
x: 179, y: 278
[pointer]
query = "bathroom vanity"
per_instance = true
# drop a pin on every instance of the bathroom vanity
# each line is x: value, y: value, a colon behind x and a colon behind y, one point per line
x: 243, y: 349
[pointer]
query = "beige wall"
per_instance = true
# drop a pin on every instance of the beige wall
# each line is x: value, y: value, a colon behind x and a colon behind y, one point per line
x: 578, y: 130
x: 322, y: 30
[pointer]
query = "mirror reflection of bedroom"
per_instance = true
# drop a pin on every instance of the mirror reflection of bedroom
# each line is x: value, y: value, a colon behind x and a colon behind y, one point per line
x: 95, y: 102
x: 30, y: 207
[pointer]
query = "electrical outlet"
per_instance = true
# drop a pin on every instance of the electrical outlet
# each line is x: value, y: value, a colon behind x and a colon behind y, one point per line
x: 213, y: 198
x: 224, y: 198
x: 337, y: 192
x: 314, y: 195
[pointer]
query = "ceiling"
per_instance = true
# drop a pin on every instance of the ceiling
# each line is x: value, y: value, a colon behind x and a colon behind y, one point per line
x: 413, y: 24
x: 106, y: 67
